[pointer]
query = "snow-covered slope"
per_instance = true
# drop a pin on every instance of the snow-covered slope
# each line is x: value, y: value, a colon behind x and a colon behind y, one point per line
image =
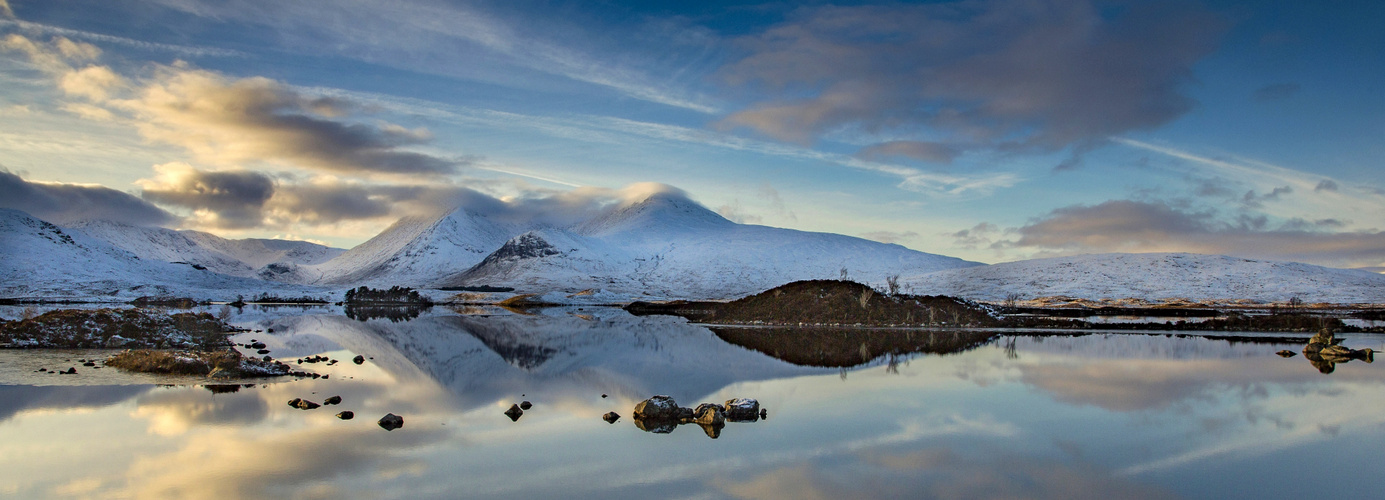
x: 1155, y: 276
x: 277, y: 260
x: 42, y: 260
x: 667, y: 246
x: 416, y: 251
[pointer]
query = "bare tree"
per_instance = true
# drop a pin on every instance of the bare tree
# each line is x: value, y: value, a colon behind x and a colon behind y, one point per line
x: 892, y: 282
x: 844, y: 273
x: 1295, y: 302
x: 1011, y: 299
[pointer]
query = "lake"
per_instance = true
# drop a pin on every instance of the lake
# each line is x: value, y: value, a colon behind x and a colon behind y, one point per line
x: 981, y: 414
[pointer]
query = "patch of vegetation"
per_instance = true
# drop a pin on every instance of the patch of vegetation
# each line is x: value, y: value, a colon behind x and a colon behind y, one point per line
x: 828, y: 303
x: 393, y: 313
x: 88, y: 328
x: 394, y: 295
x: 222, y: 363
x: 266, y: 298
x: 841, y: 348
x: 481, y: 289
x: 178, y: 302
x: 1278, y: 322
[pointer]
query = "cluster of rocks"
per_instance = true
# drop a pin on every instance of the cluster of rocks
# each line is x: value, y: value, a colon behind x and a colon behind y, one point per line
x: 1325, y: 351
x: 70, y: 371
x: 661, y: 414
x: 517, y: 410
x: 388, y: 422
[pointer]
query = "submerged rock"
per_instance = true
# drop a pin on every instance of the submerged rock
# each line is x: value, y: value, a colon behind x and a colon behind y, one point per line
x: 359, y: 359
x: 742, y: 410
x: 347, y: 415
x: 658, y: 408
x: 525, y: 405
x: 514, y: 413
x: 708, y: 414
x: 334, y: 400
x: 1286, y: 353
x: 391, y: 422
x: 303, y: 404
x: 611, y: 417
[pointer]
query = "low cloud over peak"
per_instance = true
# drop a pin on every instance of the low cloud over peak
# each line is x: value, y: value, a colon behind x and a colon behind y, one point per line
x: 1155, y: 226
x: 61, y: 203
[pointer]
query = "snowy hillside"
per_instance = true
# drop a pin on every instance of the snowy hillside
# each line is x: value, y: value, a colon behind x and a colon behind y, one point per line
x: 417, y: 251
x: 667, y: 246
x: 1155, y: 276
x: 277, y: 260
x: 42, y: 260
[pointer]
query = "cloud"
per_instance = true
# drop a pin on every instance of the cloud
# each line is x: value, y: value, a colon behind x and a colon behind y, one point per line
x: 5, y: 10
x: 1252, y: 200
x: 987, y: 74
x: 1277, y: 92
x: 930, y: 152
x: 228, y: 200
x: 231, y: 121
x: 982, y: 234
x: 62, y: 203
x: 1326, y: 185
x: 1155, y: 226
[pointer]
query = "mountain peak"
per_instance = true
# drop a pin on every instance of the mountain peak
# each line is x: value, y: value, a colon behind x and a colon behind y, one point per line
x: 659, y: 211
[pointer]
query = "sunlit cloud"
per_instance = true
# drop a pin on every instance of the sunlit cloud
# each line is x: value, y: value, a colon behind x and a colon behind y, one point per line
x: 61, y: 202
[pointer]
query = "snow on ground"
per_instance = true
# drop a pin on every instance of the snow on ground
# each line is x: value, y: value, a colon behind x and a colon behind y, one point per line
x: 1155, y: 276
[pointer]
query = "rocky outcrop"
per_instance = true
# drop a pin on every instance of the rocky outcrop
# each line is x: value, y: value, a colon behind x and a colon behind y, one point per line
x: 1324, y: 352
x: 303, y: 404
x: 662, y: 415
x: 514, y: 413
x: 657, y: 408
x: 611, y: 417
x: 742, y: 410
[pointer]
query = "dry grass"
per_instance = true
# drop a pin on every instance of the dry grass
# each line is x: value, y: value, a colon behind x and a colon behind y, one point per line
x: 174, y: 362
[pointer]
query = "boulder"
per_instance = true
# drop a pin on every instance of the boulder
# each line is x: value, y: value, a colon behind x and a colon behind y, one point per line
x: 742, y: 410
x: 709, y: 414
x: 1286, y: 353
x: 656, y: 426
x: 359, y: 359
x: 514, y: 413
x: 525, y: 405
x: 1335, y: 351
x: 334, y: 400
x: 346, y: 415
x: 303, y: 404
x: 611, y: 417
x: 391, y: 422
x: 658, y: 408
x: 713, y: 431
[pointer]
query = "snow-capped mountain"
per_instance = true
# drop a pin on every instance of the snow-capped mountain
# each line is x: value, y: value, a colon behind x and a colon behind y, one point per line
x: 417, y: 251
x: 1155, y: 276
x: 668, y: 246
x: 268, y: 259
x: 42, y: 260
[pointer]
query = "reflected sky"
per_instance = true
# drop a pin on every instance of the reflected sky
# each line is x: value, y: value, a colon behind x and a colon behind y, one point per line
x: 1092, y: 416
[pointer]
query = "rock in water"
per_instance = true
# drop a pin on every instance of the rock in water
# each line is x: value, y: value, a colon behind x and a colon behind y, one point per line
x: 391, y: 422
x: 708, y: 414
x: 611, y: 417
x: 742, y: 410
x: 657, y: 408
x: 525, y: 405
x: 359, y: 359
x: 1335, y: 351
x: 334, y: 400
x: 514, y: 413
x: 302, y: 404
x: 1286, y: 353
x: 348, y: 415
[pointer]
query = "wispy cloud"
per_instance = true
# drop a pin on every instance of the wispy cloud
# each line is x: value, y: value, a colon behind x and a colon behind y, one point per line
x: 434, y: 37
x: 181, y: 50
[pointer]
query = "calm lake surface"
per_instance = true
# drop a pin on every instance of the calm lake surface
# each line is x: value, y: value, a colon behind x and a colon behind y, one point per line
x: 1073, y: 416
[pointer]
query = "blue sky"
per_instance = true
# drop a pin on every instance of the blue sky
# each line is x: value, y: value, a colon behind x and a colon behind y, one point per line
x: 989, y: 130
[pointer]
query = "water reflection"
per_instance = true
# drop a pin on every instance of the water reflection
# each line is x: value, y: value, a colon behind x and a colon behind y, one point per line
x: 1000, y: 415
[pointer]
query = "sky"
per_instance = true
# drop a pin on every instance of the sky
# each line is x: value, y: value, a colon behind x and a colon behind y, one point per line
x: 991, y: 130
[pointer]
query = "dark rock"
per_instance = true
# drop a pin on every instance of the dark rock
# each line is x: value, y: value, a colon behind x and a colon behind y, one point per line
x: 70, y: 371
x: 303, y: 404
x: 346, y: 415
x: 89, y: 363
x: 763, y: 414
x: 658, y: 408
x: 334, y: 400
x: 713, y: 431
x: 708, y: 414
x: 525, y: 405
x: 611, y: 417
x: 514, y: 413
x: 603, y: 396
x: 267, y: 358
x: 656, y: 426
x: 262, y: 351
x: 258, y: 345
x: 324, y: 376
x: 1335, y: 351
x: 359, y: 359
x: 1286, y: 353
x: 269, y: 330
x: 742, y: 410
x: 391, y: 422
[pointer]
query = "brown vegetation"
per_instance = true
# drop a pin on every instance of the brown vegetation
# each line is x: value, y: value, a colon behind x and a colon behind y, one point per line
x: 849, y: 347
x: 87, y: 328
x: 828, y: 302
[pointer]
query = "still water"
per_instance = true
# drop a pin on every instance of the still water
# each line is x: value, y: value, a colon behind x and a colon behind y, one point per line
x: 1022, y: 416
